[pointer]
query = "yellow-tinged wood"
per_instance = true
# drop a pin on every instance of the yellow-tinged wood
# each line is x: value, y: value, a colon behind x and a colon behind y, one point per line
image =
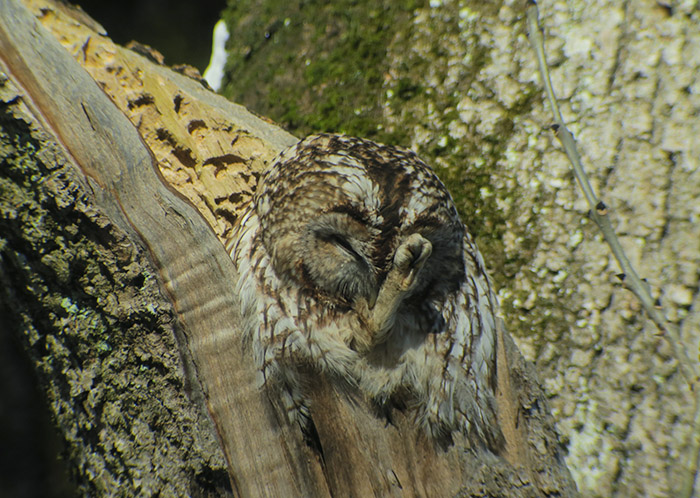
x: 508, y: 408
x: 201, y: 149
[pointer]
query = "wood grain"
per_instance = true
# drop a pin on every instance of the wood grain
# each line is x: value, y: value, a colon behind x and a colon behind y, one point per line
x: 194, y: 267
x: 182, y: 146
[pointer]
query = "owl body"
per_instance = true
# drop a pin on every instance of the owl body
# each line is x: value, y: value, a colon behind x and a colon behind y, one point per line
x: 352, y: 261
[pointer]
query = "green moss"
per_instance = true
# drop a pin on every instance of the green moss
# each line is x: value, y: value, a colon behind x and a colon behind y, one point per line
x: 313, y: 66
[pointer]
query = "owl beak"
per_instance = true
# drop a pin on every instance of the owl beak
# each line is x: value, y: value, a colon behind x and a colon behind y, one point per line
x: 372, y: 298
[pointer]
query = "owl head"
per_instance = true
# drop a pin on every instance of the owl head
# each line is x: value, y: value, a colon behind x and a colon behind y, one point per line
x: 334, y: 211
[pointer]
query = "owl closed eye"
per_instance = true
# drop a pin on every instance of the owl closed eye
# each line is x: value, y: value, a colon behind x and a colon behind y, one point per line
x: 336, y: 258
x: 352, y: 260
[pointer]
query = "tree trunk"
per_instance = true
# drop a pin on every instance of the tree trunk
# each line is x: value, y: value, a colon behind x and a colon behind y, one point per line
x: 115, y: 282
x: 457, y: 82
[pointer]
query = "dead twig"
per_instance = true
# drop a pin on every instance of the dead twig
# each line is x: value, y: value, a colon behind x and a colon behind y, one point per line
x: 599, y: 214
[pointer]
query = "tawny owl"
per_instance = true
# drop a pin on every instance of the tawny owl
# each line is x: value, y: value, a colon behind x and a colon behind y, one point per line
x: 352, y: 260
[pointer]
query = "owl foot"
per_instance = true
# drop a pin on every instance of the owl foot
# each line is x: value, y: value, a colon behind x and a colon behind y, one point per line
x: 409, y: 259
x: 378, y: 317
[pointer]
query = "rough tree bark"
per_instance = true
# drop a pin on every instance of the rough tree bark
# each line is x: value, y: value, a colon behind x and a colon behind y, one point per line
x: 456, y: 81
x: 117, y: 288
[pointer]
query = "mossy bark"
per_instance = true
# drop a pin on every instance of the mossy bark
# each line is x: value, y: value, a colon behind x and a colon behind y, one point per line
x: 459, y: 85
x: 83, y: 302
x: 120, y: 291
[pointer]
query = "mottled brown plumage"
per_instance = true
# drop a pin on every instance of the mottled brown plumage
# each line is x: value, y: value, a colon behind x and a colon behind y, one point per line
x: 352, y: 260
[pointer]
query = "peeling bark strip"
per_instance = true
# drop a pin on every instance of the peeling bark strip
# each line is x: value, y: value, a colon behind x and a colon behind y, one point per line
x: 120, y: 169
x: 207, y: 148
x: 362, y: 455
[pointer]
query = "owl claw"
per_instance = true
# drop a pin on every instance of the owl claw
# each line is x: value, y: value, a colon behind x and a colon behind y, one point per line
x: 372, y: 298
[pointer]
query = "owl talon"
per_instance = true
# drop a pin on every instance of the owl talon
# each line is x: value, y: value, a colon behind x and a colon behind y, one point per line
x: 379, y: 313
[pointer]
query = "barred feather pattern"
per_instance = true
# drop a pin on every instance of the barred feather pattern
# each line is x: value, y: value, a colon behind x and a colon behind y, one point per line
x: 352, y: 261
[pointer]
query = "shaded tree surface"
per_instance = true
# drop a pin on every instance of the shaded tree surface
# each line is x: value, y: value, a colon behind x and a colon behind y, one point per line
x: 115, y: 284
x: 457, y: 82
x: 181, y: 31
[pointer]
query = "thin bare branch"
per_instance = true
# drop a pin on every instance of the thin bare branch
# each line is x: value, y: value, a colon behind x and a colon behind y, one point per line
x: 599, y: 214
x: 599, y: 211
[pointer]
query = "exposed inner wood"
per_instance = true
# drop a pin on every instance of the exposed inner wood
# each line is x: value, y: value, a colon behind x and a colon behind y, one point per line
x: 202, y: 149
